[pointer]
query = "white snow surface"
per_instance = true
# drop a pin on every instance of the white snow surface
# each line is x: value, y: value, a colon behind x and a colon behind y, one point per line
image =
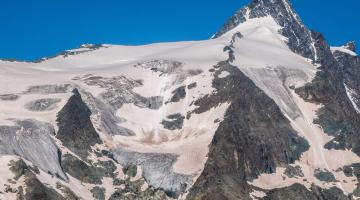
x: 344, y: 50
x: 190, y: 143
x: 262, y: 54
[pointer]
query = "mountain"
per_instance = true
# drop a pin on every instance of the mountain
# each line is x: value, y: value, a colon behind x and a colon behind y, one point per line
x: 265, y: 109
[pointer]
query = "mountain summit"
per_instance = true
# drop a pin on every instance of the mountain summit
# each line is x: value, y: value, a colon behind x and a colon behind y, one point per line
x: 299, y: 37
x: 266, y: 109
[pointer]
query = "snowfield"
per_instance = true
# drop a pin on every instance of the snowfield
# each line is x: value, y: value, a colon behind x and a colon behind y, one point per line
x: 158, y: 70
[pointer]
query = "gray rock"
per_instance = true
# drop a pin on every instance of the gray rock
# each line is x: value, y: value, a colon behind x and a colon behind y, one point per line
x: 67, y: 192
x: 173, y: 122
x: 192, y: 86
x: 338, y: 116
x: 157, y: 170
x: 169, y: 67
x: 18, y: 168
x: 49, y: 89
x: 235, y: 37
x: 162, y: 66
x: 92, y: 174
x: 130, y: 170
x: 133, y: 191
x: 153, y: 103
x: 32, y: 140
x: 119, y: 91
x: 84, y: 48
x: 350, y: 46
x: 98, y: 193
x: 36, y: 190
x: 42, y: 104
x: 76, y: 130
x: 9, y: 97
x: 300, y: 192
x: 324, y: 175
x: 178, y: 94
x: 254, y: 137
x: 352, y: 170
x: 293, y: 172
x: 106, y: 117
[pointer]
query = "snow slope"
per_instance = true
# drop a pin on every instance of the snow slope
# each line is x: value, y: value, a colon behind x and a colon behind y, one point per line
x: 189, y: 144
x: 157, y: 70
x: 263, y: 55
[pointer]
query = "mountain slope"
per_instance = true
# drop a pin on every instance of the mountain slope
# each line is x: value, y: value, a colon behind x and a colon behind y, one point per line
x: 266, y: 109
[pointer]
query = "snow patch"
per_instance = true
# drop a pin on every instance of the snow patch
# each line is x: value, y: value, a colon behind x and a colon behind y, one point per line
x: 344, y: 50
x: 350, y: 93
x: 224, y: 74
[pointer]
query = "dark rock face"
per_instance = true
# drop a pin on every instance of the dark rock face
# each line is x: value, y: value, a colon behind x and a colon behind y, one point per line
x: 351, y: 70
x: 85, y: 48
x: 178, y: 94
x: 352, y: 170
x: 253, y: 138
x: 350, y: 46
x: 98, y: 193
x: 299, y: 36
x: 175, y: 121
x: 67, y: 193
x: 134, y: 193
x: 300, y: 192
x: 18, y: 168
x: 338, y: 117
x: 324, y: 175
x: 75, y: 128
x: 35, y: 190
x: 81, y: 49
x: 294, y: 172
x: 295, y: 192
x: 192, y: 86
x: 87, y: 173
x: 153, y: 103
x: 130, y: 170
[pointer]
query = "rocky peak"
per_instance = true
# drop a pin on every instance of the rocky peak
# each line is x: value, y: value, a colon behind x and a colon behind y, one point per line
x: 299, y: 37
x: 350, y: 46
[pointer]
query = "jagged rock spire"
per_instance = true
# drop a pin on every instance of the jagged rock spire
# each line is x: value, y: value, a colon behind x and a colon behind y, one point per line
x: 282, y: 12
x: 350, y: 46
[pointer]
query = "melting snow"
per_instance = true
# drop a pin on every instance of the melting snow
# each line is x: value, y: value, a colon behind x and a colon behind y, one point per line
x: 350, y: 93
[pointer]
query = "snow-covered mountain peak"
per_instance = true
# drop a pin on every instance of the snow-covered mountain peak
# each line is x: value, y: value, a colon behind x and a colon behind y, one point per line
x: 259, y: 9
x: 350, y: 46
x: 245, y: 115
x: 281, y: 11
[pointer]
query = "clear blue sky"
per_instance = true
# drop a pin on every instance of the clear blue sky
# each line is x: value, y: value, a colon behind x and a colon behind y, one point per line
x: 30, y: 29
